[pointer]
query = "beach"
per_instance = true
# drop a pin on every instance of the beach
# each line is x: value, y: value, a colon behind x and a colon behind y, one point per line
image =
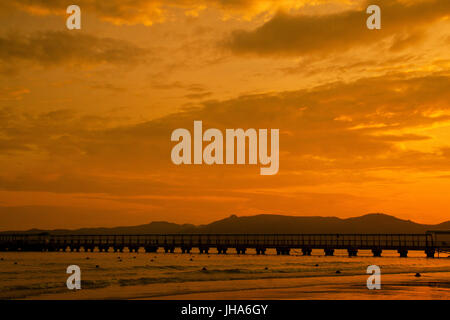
x: 42, y: 275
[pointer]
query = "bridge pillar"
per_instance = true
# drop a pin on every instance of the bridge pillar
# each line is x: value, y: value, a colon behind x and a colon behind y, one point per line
x: 283, y: 251
x: 403, y: 253
x: 103, y: 248
x: 222, y: 250
x: 260, y: 250
x: 377, y: 252
x: 186, y: 249
x: 29, y: 247
x: 151, y: 249
x: 118, y: 248
x: 430, y: 252
x: 204, y: 250
x: 133, y: 248
x: 352, y: 252
x: 241, y: 250
x: 88, y: 247
x: 306, y: 251
x: 169, y: 249
x: 329, y: 252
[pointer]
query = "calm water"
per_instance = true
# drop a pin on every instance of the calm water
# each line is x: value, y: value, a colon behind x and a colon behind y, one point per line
x: 158, y: 275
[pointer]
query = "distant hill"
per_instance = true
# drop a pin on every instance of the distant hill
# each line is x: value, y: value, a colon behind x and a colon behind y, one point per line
x: 266, y: 223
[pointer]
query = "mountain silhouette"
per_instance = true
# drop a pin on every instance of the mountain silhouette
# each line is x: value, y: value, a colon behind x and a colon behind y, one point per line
x: 267, y: 223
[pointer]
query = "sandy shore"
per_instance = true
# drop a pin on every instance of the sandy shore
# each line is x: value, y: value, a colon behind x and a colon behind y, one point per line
x: 394, y: 286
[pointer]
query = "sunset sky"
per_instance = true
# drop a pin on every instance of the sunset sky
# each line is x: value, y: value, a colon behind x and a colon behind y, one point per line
x: 86, y: 115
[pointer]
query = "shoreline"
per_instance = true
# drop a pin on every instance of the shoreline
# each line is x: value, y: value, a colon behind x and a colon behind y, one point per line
x: 434, y: 286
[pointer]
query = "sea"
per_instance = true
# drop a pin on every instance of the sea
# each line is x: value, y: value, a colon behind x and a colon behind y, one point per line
x: 108, y: 275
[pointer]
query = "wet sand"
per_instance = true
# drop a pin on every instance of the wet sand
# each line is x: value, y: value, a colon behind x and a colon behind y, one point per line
x: 434, y: 286
x: 396, y: 287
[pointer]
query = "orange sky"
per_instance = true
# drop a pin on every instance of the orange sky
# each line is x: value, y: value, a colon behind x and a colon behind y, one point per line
x: 86, y: 115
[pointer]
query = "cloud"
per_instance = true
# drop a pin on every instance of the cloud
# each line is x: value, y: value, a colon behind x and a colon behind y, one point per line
x: 296, y: 35
x: 331, y: 136
x: 148, y: 12
x: 162, y: 85
x: 201, y: 95
x: 8, y: 93
x: 54, y: 48
x: 335, y: 127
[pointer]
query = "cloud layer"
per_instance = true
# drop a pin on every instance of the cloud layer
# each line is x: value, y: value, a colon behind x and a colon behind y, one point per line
x: 148, y: 12
x: 333, y: 134
x: 85, y: 126
x: 287, y: 34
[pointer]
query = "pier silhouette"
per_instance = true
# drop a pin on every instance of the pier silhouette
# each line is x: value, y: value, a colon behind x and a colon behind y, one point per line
x: 429, y: 242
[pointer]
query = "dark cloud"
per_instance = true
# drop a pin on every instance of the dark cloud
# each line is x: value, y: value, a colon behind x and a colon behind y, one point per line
x: 161, y: 85
x: 287, y: 34
x: 55, y: 48
x: 201, y: 95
